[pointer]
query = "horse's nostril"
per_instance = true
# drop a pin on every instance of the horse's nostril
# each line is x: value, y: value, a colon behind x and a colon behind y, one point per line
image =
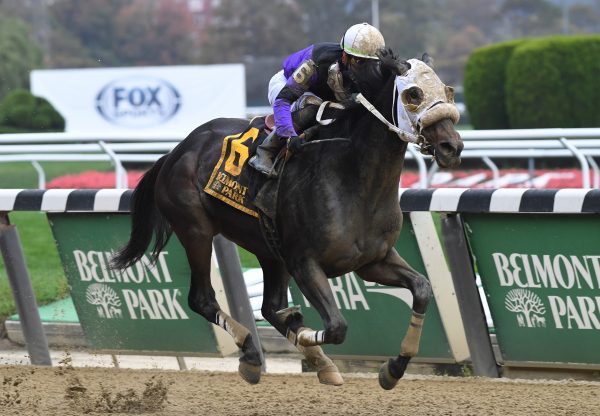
x: 447, y: 148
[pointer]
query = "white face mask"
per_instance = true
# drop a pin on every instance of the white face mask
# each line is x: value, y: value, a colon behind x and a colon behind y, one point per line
x: 422, y: 98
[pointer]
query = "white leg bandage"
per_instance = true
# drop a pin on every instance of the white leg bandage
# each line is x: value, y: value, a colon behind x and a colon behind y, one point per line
x: 410, y: 343
x: 233, y: 328
x: 306, y: 337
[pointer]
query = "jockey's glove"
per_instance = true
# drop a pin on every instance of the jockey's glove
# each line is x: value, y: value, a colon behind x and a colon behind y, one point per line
x: 350, y: 102
x: 294, y: 144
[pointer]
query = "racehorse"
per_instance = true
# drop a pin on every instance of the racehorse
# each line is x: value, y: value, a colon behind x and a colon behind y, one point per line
x: 337, y: 211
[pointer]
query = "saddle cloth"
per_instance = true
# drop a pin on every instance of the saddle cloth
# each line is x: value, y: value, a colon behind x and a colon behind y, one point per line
x: 231, y: 179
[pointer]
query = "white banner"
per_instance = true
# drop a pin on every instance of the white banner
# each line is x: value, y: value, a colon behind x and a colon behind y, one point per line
x: 165, y: 99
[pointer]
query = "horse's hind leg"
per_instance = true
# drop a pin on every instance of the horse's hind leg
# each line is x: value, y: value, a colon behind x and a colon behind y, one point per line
x: 394, y: 271
x: 195, y: 232
x: 288, y: 320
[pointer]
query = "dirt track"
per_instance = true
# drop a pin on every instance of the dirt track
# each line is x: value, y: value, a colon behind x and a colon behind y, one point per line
x: 67, y: 391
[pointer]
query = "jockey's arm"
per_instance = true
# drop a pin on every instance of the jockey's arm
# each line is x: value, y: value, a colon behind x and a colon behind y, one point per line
x: 295, y: 86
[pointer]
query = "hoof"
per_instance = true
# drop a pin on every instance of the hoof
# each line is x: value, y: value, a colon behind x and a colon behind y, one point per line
x: 249, y: 372
x: 331, y: 376
x: 386, y: 380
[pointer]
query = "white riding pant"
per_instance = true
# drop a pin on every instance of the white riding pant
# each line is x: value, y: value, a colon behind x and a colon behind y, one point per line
x: 276, y: 84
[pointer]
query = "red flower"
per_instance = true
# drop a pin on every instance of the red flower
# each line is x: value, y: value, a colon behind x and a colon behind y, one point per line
x: 92, y: 180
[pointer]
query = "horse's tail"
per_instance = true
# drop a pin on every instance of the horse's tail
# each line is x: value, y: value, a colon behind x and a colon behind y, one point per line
x: 146, y: 221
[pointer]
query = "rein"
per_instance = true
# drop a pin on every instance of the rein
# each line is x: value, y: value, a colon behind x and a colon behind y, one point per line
x: 403, y: 135
x: 418, y: 139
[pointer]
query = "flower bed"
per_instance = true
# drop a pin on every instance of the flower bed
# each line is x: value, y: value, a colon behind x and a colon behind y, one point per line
x: 92, y: 180
x: 509, y: 178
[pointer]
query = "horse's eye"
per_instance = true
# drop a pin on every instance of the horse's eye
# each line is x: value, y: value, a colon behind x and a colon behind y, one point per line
x: 450, y: 94
x: 412, y: 98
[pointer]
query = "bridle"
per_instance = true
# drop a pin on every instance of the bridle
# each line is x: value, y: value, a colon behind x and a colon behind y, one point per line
x: 436, y: 109
x: 403, y: 135
x: 436, y: 103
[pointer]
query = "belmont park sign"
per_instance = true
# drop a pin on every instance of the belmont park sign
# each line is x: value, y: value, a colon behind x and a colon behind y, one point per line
x: 111, y: 300
x: 527, y: 273
x: 541, y: 276
x: 143, y: 307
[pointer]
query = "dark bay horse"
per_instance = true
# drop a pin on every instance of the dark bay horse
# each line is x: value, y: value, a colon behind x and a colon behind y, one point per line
x: 337, y: 212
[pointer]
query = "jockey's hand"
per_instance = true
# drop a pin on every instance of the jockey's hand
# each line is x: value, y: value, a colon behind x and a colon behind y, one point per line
x: 350, y: 102
x: 294, y: 144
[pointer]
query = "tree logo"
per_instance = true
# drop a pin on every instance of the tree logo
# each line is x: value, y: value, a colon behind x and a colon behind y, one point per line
x: 528, y: 306
x: 138, y: 101
x: 105, y: 299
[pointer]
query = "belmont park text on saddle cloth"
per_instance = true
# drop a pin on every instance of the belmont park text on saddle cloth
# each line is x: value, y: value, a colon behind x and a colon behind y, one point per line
x: 230, y: 181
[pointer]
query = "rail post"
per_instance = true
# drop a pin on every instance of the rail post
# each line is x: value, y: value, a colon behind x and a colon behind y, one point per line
x: 18, y: 277
x: 463, y: 275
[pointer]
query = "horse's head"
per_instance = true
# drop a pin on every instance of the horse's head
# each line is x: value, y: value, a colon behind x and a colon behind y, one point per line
x: 425, y: 106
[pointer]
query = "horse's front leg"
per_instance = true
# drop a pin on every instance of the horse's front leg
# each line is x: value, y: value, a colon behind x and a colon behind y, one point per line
x: 313, y: 284
x: 394, y: 271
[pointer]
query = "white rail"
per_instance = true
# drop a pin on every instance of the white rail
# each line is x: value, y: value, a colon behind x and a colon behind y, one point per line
x: 39, y: 138
x: 583, y: 144
x: 519, y: 134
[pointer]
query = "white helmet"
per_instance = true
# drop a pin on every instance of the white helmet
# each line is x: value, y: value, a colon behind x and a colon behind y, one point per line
x: 363, y: 41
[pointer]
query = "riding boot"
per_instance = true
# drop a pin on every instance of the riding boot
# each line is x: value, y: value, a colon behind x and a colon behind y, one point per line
x: 265, y: 155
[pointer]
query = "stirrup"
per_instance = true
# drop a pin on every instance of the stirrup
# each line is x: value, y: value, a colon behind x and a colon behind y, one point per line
x: 265, y: 159
x: 265, y: 170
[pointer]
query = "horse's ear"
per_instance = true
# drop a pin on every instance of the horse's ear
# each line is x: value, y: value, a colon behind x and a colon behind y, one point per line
x: 427, y: 59
x: 403, y: 67
x: 391, y: 63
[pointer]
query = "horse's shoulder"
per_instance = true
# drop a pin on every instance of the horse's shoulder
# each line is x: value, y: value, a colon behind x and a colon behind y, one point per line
x: 334, y: 147
x: 215, y: 130
x: 319, y: 161
x: 221, y: 124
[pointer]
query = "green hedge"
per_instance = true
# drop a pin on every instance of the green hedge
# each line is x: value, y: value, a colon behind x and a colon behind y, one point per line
x: 484, y: 82
x: 535, y: 83
x: 555, y: 82
x: 19, y: 54
x: 21, y: 111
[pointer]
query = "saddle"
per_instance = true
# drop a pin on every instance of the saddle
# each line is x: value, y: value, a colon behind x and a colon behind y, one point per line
x: 242, y: 187
x: 269, y: 123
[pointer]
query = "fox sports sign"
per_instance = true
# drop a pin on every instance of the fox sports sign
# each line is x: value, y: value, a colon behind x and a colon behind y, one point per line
x: 138, y: 101
x: 153, y: 100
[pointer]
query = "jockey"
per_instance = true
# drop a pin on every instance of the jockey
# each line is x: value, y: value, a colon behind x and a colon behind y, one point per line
x: 316, y: 73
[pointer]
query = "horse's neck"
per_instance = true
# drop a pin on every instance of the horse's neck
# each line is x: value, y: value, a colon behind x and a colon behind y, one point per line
x: 380, y: 157
x: 379, y: 153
